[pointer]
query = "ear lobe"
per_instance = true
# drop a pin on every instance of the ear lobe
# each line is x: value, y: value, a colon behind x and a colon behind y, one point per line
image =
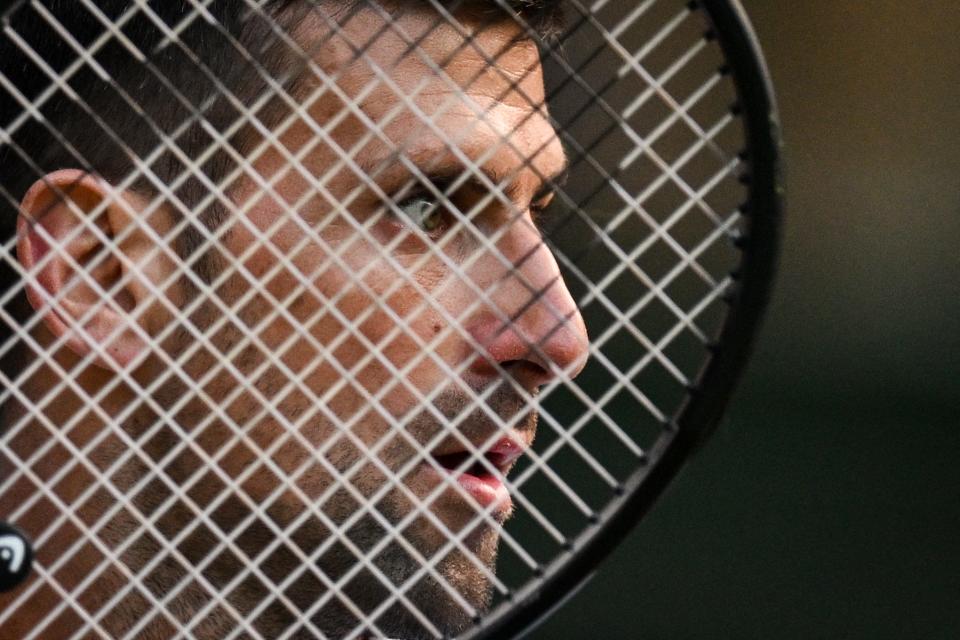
x: 76, y: 277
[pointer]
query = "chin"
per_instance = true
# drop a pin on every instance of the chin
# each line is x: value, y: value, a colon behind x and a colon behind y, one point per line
x: 450, y: 600
x: 446, y: 592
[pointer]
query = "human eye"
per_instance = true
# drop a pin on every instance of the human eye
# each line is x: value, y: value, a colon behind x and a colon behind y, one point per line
x: 423, y: 212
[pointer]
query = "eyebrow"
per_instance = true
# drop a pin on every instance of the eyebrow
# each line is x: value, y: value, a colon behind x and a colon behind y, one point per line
x: 450, y: 169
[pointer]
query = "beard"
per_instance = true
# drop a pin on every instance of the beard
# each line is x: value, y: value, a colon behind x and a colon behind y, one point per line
x: 395, y: 597
x: 366, y: 545
x: 367, y: 542
x: 400, y: 535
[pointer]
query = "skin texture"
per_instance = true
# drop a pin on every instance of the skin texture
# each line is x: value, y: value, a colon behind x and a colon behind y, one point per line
x: 359, y: 341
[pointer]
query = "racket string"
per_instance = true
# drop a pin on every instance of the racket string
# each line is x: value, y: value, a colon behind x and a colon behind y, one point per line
x: 565, y: 428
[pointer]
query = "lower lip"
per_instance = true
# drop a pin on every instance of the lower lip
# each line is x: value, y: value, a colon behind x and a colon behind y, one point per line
x: 487, y: 491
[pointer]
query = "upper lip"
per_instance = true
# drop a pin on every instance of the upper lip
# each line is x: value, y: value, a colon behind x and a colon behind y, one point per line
x: 499, y: 453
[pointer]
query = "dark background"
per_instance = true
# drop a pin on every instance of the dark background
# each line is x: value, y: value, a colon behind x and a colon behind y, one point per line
x: 828, y: 503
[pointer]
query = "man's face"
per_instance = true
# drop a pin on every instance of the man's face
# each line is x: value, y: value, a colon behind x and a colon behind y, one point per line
x: 382, y: 332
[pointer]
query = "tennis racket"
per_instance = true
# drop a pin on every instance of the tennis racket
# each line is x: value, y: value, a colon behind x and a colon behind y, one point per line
x: 359, y: 319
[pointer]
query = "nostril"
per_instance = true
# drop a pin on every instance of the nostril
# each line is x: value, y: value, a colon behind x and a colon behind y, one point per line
x: 530, y: 374
x: 533, y: 349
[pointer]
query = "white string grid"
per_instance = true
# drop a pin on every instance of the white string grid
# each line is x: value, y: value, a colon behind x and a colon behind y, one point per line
x: 568, y: 431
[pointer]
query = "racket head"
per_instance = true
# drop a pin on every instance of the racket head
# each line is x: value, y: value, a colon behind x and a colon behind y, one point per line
x: 759, y: 239
x: 694, y: 408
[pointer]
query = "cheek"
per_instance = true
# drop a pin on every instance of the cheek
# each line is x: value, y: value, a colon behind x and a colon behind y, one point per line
x: 380, y: 323
x: 355, y: 324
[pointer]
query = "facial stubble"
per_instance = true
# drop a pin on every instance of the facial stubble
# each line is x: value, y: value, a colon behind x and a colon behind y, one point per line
x: 395, y: 557
x: 452, y: 535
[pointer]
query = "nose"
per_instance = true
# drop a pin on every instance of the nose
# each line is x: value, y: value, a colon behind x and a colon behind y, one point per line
x: 529, y: 324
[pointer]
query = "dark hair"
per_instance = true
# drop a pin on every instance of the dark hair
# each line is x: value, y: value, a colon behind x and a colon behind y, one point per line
x: 115, y: 110
x: 105, y: 120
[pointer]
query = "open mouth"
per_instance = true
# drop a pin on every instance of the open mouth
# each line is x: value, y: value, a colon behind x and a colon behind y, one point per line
x: 483, y: 479
x: 456, y: 461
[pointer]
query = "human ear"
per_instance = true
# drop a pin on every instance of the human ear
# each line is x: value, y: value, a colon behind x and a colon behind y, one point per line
x: 88, y: 267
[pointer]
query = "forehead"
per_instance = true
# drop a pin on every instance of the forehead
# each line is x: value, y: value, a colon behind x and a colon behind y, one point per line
x: 466, y: 49
x: 414, y: 67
